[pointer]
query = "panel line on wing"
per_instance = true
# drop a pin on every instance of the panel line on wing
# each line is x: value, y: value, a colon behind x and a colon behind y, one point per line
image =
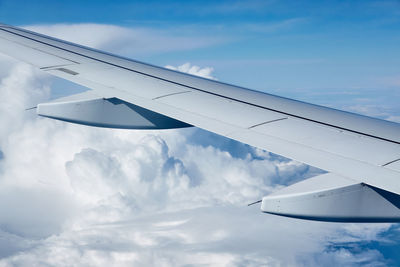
x: 171, y: 94
x: 390, y: 162
x: 55, y: 66
x: 251, y: 127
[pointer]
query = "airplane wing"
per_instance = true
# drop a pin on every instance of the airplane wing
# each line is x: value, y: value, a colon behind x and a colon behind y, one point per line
x: 360, y: 154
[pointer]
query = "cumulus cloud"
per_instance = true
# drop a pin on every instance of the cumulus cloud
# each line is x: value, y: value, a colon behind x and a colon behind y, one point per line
x: 194, y: 70
x: 76, y: 195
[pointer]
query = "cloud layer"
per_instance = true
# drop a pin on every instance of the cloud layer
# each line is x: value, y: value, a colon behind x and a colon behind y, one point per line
x: 76, y: 195
x: 126, y: 41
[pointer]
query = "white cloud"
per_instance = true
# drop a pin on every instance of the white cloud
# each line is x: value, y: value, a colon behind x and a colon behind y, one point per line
x: 376, y: 111
x: 126, y: 41
x: 194, y: 70
x: 76, y: 195
x: 14, y: 99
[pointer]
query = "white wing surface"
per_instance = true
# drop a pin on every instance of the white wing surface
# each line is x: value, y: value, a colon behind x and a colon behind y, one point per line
x: 361, y: 154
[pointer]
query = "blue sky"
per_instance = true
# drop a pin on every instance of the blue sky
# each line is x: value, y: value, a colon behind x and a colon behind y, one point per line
x: 336, y: 53
x: 289, y: 46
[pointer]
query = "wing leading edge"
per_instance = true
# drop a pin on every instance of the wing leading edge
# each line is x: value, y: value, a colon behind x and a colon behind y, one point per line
x: 360, y: 149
